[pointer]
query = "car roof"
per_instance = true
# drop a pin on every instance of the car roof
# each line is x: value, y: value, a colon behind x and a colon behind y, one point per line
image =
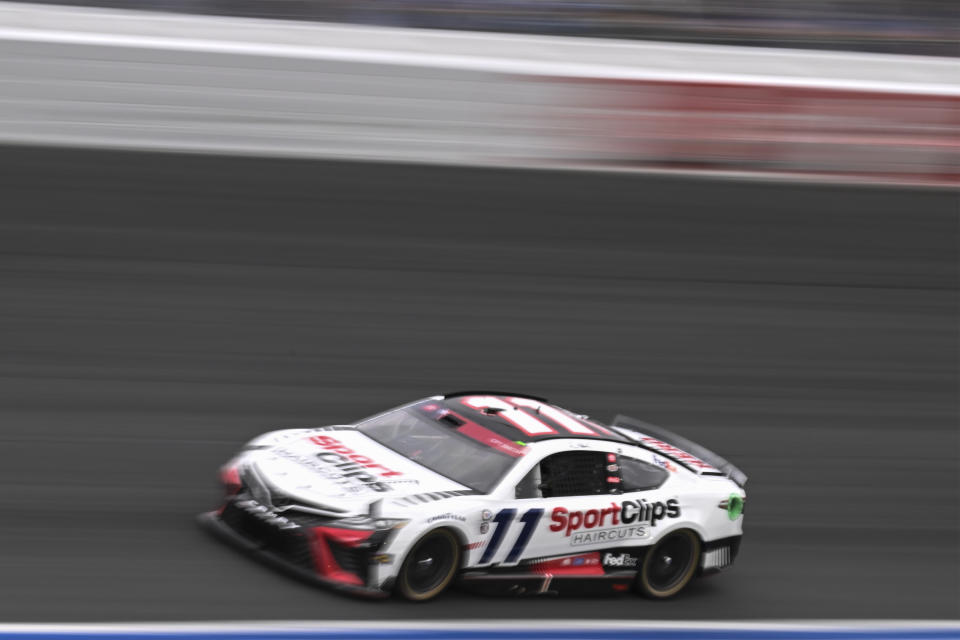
x: 523, y: 417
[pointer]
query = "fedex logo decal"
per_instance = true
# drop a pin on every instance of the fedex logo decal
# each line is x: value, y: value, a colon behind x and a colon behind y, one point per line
x: 620, y: 560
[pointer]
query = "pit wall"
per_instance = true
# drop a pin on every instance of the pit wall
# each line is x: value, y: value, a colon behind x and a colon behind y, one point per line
x: 106, y: 78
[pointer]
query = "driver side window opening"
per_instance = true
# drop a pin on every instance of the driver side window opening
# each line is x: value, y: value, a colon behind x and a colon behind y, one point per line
x: 571, y: 473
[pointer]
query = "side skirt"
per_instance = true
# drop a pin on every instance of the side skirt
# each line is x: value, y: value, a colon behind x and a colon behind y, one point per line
x: 535, y: 584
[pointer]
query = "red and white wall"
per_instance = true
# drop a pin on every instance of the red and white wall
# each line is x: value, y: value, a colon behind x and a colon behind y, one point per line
x: 812, y: 131
x: 95, y: 77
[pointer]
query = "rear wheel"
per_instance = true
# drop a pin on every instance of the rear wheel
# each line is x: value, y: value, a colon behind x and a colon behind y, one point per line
x: 669, y: 565
x: 430, y: 566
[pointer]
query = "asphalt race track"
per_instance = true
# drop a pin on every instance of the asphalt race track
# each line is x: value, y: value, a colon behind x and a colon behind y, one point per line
x: 158, y: 310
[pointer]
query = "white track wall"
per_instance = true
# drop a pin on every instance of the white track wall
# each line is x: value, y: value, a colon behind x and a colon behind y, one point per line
x: 92, y: 77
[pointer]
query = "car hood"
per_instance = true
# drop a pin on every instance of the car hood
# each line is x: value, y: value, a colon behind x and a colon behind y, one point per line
x: 338, y: 472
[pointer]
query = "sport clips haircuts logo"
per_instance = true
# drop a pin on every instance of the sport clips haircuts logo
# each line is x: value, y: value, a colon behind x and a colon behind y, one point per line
x: 351, y: 465
x: 628, y: 519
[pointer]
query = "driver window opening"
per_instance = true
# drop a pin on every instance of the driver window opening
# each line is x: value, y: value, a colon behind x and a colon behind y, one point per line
x: 571, y: 473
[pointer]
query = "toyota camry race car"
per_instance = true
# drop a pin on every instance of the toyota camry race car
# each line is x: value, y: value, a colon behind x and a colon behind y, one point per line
x: 499, y: 492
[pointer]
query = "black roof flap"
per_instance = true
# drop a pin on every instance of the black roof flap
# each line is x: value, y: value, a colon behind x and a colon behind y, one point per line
x: 472, y: 392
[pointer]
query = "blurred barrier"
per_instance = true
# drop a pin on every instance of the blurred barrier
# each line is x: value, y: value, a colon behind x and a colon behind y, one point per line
x: 519, y: 630
x: 874, y: 135
x: 125, y: 79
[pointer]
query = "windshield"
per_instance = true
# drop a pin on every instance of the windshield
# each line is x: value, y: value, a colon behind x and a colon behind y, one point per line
x: 446, y: 443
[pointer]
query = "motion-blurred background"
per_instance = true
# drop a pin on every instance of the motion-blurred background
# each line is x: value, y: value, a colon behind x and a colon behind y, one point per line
x: 216, y: 225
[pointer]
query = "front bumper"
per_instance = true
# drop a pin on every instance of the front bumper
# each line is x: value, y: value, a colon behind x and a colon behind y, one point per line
x: 296, y: 552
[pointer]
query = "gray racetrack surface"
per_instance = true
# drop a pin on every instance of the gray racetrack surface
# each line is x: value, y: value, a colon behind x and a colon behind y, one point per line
x: 157, y: 311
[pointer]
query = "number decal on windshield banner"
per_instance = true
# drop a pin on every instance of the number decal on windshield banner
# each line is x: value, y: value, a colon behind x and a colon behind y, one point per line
x: 511, y: 410
x: 501, y: 523
x: 567, y: 422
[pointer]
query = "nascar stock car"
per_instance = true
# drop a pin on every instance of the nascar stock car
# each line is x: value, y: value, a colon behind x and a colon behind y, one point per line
x: 502, y: 493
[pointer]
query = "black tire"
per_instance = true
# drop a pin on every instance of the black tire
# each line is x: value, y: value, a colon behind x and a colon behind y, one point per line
x: 430, y: 566
x: 669, y: 565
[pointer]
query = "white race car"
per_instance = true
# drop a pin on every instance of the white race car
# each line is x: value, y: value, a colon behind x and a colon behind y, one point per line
x: 500, y: 492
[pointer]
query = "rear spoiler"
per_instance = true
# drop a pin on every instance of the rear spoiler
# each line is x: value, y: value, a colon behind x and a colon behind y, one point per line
x: 691, y: 455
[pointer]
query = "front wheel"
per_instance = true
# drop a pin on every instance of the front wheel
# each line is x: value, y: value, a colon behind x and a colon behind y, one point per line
x: 430, y: 566
x: 669, y: 565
